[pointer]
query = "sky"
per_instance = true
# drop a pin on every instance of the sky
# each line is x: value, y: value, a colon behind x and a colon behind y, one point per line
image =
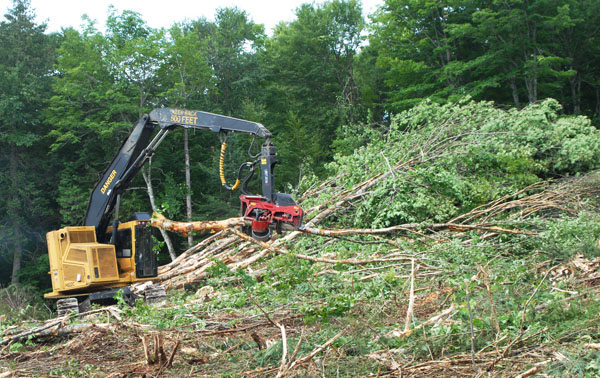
x: 64, y: 13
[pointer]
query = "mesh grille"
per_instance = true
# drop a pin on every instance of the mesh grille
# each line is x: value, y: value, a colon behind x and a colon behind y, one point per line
x: 82, y: 236
x: 77, y: 255
x: 71, y: 271
x: 107, y: 263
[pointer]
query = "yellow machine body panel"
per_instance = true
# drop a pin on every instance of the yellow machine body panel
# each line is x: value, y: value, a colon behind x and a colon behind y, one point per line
x: 80, y: 265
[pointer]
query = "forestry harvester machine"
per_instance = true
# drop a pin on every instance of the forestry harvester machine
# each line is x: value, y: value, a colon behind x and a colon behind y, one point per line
x: 97, y: 259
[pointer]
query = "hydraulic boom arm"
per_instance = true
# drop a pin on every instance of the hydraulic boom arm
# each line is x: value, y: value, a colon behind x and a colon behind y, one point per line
x: 140, y: 145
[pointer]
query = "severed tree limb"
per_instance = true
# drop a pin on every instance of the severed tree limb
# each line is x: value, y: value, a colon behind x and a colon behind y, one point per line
x: 146, y: 353
x: 175, y: 348
x: 471, y: 327
x: 159, y: 221
x: 438, y: 318
x: 529, y: 372
x: 297, y: 348
x: 539, y: 366
x: 159, y: 349
x: 74, y: 328
x: 411, y: 227
x: 177, y: 268
x: 186, y: 268
x: 315, y: 351
x: 57, y: 327
x: 411, y: 300
x: 191, y: 251
x: 283, y: 366
x: 283, y: 251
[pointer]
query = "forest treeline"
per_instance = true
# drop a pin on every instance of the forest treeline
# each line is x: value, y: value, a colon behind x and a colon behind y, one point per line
x: 324, y: 84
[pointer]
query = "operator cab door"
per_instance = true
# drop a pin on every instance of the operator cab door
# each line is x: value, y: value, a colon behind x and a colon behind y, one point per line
x: 145, y: 258
x: 134, y: 249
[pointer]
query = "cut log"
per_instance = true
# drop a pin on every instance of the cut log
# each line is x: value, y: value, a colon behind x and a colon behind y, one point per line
x: 159, y: 221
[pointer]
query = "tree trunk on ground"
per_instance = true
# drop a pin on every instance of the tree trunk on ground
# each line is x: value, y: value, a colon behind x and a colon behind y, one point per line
x: 162, y: 223
x: 166, y: 238
x: 188, y: 183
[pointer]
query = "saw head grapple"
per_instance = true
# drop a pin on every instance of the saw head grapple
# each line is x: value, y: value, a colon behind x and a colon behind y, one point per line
x: 282, y: 214
x: 269, y: 211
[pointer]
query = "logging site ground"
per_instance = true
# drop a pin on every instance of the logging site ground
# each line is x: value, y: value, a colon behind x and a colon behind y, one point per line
x: 463, y: 241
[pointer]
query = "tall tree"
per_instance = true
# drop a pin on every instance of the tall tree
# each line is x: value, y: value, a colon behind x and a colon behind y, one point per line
x: 104, y: 84
x: 416, y: 50
x: 189, y: 78
x: 230, y: 45
x: 231, y: 42
x: 310, y: 89
x: 519, y: 36
x: 26, y: 60
x: 578, y: 43
x: 507, y: 51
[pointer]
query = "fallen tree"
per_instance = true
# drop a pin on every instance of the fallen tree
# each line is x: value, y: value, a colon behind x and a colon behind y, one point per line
x: 159, y: 221
x: 238, y: 250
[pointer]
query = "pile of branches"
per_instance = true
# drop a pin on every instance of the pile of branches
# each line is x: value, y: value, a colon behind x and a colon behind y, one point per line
x: 450, y: 133
x: 506, y: 215
x: 517, y: 214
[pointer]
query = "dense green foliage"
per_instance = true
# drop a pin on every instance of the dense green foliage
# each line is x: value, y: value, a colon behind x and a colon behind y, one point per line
x: 326, y: 83
x: 509, y: 51
x: 475, y: 153
x: 26, y: 176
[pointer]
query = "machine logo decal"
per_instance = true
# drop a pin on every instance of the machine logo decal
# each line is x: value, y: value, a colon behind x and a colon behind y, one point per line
x: 108, y: 181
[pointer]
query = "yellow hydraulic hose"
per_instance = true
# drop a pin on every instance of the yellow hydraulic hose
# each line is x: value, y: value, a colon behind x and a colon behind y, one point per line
x: 222, y: 169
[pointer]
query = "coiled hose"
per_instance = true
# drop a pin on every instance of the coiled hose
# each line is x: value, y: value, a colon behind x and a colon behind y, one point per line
x: 222, y: 169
